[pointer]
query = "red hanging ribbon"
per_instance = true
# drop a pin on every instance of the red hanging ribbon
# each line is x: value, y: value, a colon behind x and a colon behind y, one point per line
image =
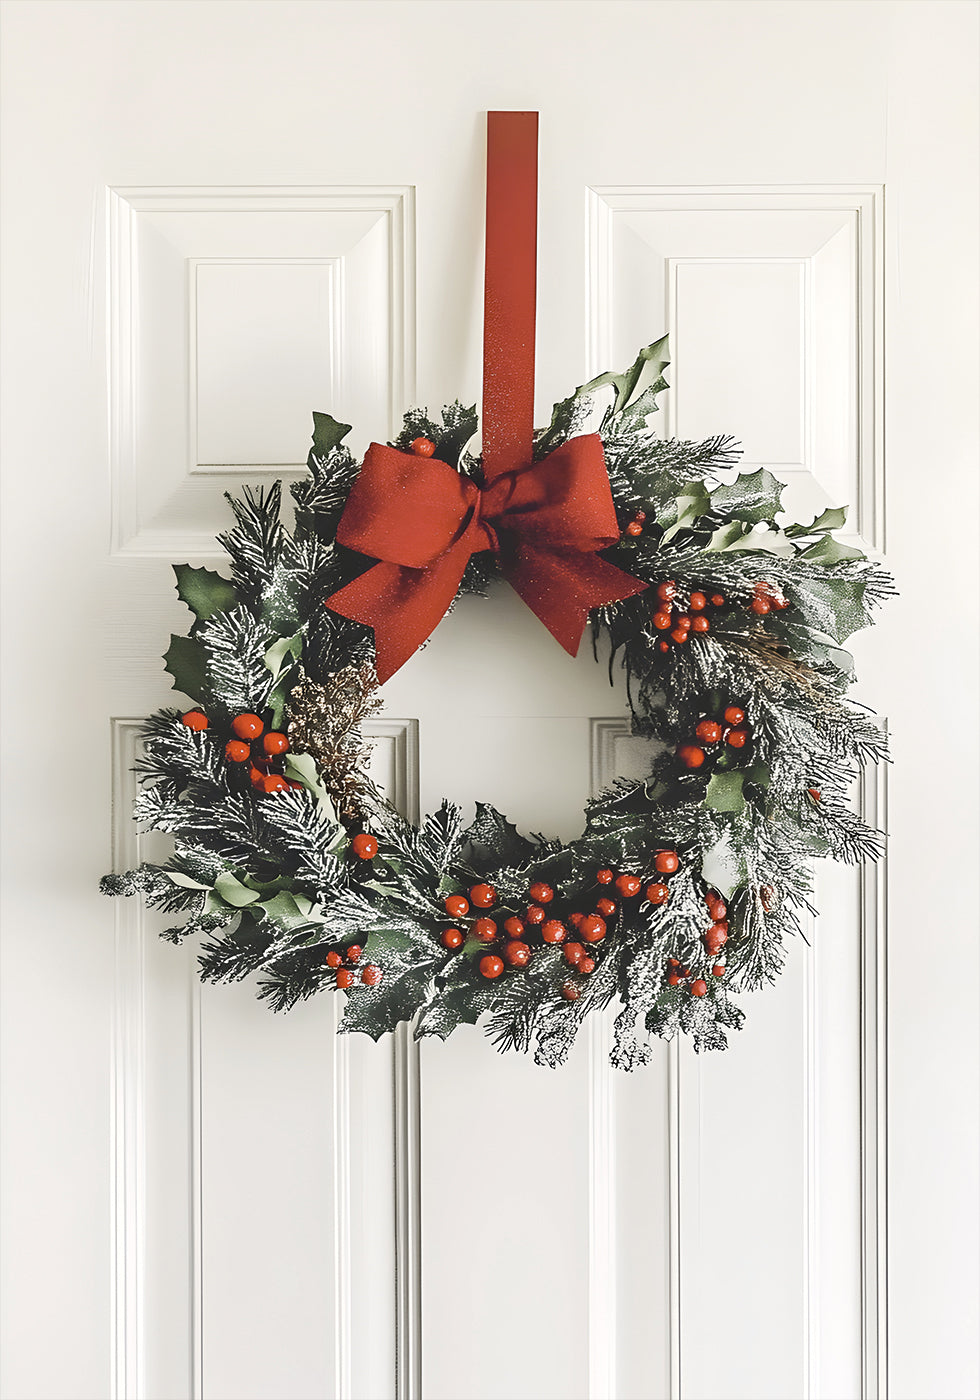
x: 422, y: 519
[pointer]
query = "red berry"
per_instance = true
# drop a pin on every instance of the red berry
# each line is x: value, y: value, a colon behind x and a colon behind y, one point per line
x: 734, y: 715
x: 274, y: 743
x: 629, y: 885
x: 701, y: 624
x: 698, y: 602
x: 680, y: 635
x: 236, y: 751
x: 534, y: 914
x: 516, y: 954
x: 333, y: 960
x: 484, y: 929
x: 553, y: 931
x: 586, y: 964
x: 345, y: 978
x: 708, y: 732
x: 451, y: 938
x: 570, y: 992
x: 491, y: 966
x: 760, y: 606
x: 673, y: 980
x: 634, y: 528
x: 593, y: 928
x: 717, y: 907
x: 605, y: 907
x: 604, y: 877
x: 273, y: 783
x: 354, y: 952
x: 575, y: 918
x: 714, y: 942
x: 718, y: 970
x: 365, y: 845
x: 667, y: 591
x: 737, y: 738
x: 717, y: 600
x: 247, y: 726
x: 664, y: 646
x: 513, y: 927
x: 683, y: 621
x: 661, y: 620
x: 423, y: 447
x: 690, y: 755
x: 541, y: 893
x: 371, y: 975
x: 456, y: 906
x: 573, y: 953
x: 195, y: 719
x: 699, y: 987
x: 657, y: 894
x: 666, y: 862
x: 482, y: 896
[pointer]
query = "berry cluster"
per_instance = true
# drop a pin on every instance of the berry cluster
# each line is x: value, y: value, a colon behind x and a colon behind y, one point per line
x: 345, y: 964
x: 677, y: 619
x: 730, y: 730
x: 767, y: 597
x: 634, y: 527
x: 714, y: 940
x: 251, y: 743
x: 517, y: 936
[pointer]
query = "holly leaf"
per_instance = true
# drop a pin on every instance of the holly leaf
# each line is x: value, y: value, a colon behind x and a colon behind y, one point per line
x: 836, y: 607
x: 230, y: 889
x: 185, y: 661
x: 689, y: 506
x: 328, y: 434
x: 833, y: 518
x: 727, y: 536
x: 285, y: 910
x: 204, y: 591
x: 830, y: 551
x: 280, y: 660
x: 753, y: 497
x: 286, y: 646
x: 493, y: 840
x: 407, y: 956
x: 301, y: 767
x: 724, y: 792
x: 637, y: 388
x: 461, y: 1004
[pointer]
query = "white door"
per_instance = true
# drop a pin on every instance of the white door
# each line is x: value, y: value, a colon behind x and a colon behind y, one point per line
x: 221, y: 216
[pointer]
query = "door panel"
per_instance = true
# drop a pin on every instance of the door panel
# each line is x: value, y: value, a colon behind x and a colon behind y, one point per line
x: 223, y: 216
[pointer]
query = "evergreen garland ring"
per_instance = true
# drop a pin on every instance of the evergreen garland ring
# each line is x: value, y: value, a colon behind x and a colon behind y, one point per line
x: 682, y: 889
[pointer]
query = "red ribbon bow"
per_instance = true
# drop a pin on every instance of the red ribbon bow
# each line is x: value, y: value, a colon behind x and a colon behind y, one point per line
x: 423, y: 520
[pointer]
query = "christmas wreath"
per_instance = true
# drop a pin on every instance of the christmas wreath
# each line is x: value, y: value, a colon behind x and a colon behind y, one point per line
x: 683, y: 887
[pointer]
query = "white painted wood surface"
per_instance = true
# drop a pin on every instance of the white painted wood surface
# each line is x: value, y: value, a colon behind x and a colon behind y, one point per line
x: 221, y: 216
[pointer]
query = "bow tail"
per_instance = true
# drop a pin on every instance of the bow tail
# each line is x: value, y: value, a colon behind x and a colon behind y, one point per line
x: 561, y: 587
x: 402, y: 605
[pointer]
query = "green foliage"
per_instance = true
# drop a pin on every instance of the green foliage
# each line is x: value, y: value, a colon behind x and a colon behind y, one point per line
x: 204, y: 591
x: 271, y: 885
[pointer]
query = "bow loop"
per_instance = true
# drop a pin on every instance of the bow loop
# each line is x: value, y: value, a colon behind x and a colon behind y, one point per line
x: 422, y: 520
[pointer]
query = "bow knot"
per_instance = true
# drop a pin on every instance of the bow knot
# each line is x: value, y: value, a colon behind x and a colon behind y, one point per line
x: 423, y: 520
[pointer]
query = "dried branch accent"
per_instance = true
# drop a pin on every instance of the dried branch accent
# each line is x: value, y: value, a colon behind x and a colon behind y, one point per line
x: 774, y: 665
x: 325, y: 721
